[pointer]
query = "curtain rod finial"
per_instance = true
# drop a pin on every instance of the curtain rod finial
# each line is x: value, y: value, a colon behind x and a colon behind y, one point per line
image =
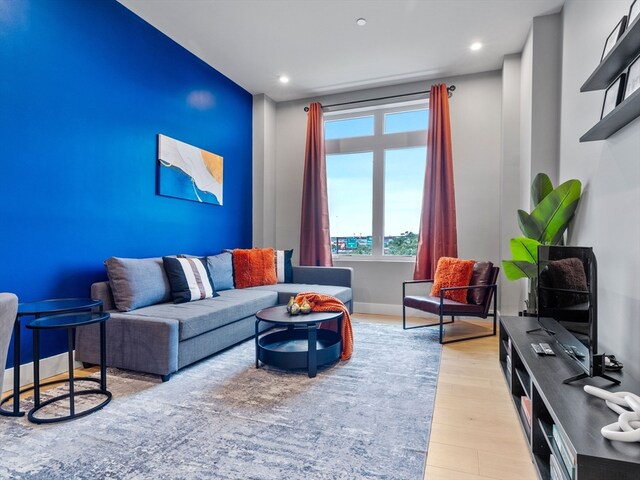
x: 306, y: 109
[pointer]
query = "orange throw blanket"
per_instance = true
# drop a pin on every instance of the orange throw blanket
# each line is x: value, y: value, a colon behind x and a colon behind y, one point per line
x: 327, y: 303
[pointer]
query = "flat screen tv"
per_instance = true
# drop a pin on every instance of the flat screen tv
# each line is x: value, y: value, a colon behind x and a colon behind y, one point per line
x: 568, y: 305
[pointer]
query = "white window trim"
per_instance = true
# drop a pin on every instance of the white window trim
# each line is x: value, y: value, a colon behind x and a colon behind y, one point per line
x: 377, y: 143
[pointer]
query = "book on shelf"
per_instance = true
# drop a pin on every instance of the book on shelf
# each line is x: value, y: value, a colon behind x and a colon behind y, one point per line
x: 525, y: 404
x: 554, y: 468
x: 566, y: 456
x: 509, y: 344
x: 508, y: 363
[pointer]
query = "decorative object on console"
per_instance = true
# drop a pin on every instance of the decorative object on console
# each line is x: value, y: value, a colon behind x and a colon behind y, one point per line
x: 627, y: 406
x: 613, y: 96
x: 452, y: 272
x: 634, y: 11
x: 189, y: 279
x: 633, y: 78
x: 613, y: 37
x: 188, y: 172
x: 545, y: 225
x: 254, y: 267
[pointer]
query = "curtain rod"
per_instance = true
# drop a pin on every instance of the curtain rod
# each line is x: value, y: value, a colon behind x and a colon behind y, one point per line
x: 450, y: 90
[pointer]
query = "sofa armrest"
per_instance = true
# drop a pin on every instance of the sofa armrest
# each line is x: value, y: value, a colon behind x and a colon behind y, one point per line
x: 102, y: 291
x: 337, y: 276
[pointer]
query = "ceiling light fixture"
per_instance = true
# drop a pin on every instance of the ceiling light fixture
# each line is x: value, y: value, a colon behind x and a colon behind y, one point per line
x: 361, y: 22
x: 475, y: 46
x: 283, y: 79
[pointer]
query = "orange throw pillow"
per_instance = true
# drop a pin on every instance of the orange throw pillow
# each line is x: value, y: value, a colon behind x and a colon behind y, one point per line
x: 254, y: 267
x: 452, y: 272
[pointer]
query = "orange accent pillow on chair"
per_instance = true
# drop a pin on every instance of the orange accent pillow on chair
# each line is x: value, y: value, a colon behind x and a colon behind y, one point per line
x: 254, y: 267
x: 452, y: 272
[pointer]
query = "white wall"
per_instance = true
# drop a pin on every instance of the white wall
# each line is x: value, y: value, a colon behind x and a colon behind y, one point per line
x: 475, y: 122
x: 608, y: 217
x: 511, y: 293
x: 264, y: 151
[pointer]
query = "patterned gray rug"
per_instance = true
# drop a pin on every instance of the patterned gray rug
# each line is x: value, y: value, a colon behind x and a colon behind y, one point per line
x: 223, y: 419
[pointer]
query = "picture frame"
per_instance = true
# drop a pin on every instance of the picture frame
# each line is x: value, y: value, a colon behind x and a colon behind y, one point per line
x: 634, y: 11
x: 613, y: 37
x: 632, y: 81
x: 613, y: 96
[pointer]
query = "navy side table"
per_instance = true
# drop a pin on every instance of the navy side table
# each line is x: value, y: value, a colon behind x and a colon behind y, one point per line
x: 69, y: 321
x: 37, y: 310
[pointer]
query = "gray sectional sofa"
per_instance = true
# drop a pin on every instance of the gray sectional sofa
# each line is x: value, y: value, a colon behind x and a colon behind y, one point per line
x: 165, y: 337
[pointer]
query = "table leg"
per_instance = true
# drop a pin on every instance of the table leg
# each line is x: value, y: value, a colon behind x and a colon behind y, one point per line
x: 103, y: 356
x: 36, y: 368
x: 312, y: 365
x: 71, y: 375
x: 16, y: 367
x: 256, y: 340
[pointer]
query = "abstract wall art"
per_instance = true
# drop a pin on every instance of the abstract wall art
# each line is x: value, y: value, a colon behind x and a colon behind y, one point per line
x: 188, y: 172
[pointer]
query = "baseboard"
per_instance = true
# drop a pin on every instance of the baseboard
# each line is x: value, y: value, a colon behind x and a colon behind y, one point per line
x: 385, y: 309
x: 48, y: 368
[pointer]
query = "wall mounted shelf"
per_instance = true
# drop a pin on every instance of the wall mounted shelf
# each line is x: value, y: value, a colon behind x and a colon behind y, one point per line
x: 623, y: 114
x: 616, y: 61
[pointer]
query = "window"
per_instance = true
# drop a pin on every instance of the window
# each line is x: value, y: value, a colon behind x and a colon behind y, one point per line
x: 376, y: 160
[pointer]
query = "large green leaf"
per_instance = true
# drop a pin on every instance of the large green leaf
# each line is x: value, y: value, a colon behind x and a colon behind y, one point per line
x: 528, y: 226
x: 515, y: 269
x: 525, y: 249
x: 555, y: 211
x: 540, y: 188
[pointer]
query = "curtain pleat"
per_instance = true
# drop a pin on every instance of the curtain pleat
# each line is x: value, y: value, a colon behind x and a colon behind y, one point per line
x: 438, y: 234
x: 315, y: 241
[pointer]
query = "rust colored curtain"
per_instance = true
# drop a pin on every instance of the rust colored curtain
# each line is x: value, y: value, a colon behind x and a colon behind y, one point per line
x: 315, y: 243
x: 438, y: 235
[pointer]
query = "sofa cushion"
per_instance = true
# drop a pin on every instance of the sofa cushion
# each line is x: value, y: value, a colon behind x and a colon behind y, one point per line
x: 221, y: 270
x: 286, y: 290
x: 481, y: 276
x: 189, y: 278
x: 137, y: 282
x: 195, y: 318
x: 432, y: 305
x: 254, y: 267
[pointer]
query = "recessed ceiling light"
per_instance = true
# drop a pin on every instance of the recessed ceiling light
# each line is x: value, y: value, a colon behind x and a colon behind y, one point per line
x: 361, y: 22
x: 475, y: 46
x: 283, y: 79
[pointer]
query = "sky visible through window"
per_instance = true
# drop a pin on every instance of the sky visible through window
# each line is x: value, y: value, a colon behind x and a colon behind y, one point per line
x: 350, y: 178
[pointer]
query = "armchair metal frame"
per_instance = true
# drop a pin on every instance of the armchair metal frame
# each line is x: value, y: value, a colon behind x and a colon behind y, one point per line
x: 492, y: 296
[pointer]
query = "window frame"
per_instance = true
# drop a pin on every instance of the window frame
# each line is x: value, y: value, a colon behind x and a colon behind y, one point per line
x: 377, y: 144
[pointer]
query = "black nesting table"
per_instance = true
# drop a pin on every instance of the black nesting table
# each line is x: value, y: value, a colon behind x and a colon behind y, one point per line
x: 301, y: 344
x: 40, y: 309
x: 69, y: 322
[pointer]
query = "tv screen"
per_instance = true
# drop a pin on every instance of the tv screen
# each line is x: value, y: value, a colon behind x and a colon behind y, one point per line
x: 567, y: 296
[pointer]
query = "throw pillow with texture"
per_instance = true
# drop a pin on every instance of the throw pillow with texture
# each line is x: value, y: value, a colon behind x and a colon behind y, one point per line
x: 452, y: 272
x: 137, y: 282
x: 189, y: 279
x: 481, y: 276
x: 254, y: 267
x: 284, y: 270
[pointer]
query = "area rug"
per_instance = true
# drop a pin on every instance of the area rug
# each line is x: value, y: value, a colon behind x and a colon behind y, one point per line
x: 221, y: 418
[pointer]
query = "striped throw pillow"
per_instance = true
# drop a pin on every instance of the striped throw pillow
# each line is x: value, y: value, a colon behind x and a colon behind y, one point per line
x: 284, y: 270
x: 189, y: 279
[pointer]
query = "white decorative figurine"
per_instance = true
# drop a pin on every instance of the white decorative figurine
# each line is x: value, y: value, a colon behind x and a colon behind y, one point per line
x: 627, y: 428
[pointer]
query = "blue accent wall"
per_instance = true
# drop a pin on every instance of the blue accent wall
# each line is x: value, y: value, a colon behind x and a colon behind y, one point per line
x: 85, y: 87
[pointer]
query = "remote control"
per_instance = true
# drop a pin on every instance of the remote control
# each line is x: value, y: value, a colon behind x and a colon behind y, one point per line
x: 547, y: 349
x: 537, y: 348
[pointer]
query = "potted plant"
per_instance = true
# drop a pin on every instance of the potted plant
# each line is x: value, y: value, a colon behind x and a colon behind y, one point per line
x: 552, y: 212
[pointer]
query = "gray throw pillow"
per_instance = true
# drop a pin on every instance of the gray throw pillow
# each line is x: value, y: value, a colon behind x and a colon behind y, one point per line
x: 221, y: 270
x: 137, y: 282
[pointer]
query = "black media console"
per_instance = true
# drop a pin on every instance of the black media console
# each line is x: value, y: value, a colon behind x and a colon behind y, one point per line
x: 566, y: 410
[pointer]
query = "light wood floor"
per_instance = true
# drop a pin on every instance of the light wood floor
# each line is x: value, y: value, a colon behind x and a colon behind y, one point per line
x: 475, y: 434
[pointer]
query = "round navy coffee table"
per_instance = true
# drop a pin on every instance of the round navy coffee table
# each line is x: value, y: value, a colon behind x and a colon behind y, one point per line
x: 69, y: 322
x: 301, y: 344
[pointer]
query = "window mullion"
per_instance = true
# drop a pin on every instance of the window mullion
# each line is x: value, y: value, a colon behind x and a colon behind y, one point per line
x: 378, y: 186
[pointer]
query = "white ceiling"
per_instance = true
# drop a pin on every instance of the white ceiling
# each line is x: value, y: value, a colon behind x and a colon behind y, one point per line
x: 318, y: 45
